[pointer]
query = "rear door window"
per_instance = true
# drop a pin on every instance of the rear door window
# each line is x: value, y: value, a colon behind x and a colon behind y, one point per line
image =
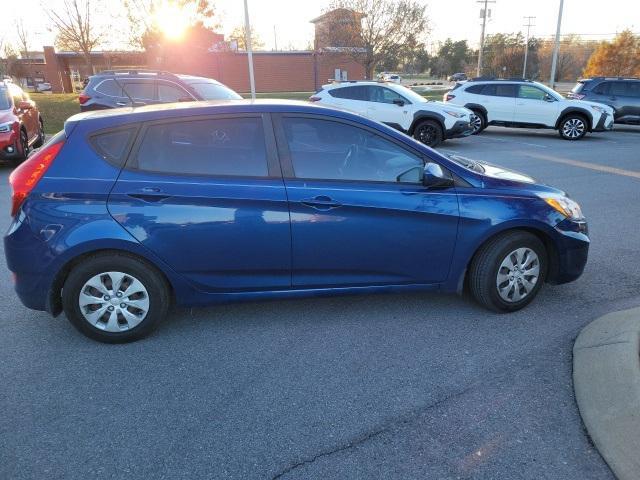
x: 171, y: 93
x: 603, y: 88
x: 475, y: 89
x: 218, y: 147
x: 619, y: 88
x: 140, y: 90
x: 350, y: 93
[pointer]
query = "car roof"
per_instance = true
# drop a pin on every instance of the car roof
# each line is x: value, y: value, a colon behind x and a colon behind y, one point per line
x: 120, y: 116
x: 355, y: 83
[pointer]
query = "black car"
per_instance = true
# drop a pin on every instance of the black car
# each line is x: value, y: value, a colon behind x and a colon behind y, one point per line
x: 121, y: 88
x: 621, y: 94
x: 458, y: 77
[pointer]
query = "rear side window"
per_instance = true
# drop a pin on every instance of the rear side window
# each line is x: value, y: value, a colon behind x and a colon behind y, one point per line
x: 139, y: 90
x: 634, y: 89
x: 350, y: 93
x: 218, y: 147
x: 110, y: 88
x: 113, y: 145
x: 499, y: 90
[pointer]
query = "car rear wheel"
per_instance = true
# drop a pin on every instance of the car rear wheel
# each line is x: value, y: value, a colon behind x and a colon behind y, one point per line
x: 573, y: 127
x: 507, y: 273
x: 429, y: 132
x: 115, y: 298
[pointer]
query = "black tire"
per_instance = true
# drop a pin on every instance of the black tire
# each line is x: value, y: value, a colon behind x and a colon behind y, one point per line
x: 579, y: 130
x: 152, y: 280
x: 483, y: 122
x: 40, y: 141
x: 429, y: 132
x: 483, y: 271
x: 22, y: 149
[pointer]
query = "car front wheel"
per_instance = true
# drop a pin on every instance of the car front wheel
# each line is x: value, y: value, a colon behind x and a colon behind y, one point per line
x: 507, y: 273
x: 115, y: 298
x: 429, y: 132
x: 573, y: 127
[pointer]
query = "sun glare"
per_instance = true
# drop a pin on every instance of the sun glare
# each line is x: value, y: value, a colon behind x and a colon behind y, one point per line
x: 172, y: 20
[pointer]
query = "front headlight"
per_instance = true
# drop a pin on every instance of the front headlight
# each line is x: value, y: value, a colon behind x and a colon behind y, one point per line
x: 567, y: 207
x: 599, y: 109
x: 455, y: 114
x: 6, y: 127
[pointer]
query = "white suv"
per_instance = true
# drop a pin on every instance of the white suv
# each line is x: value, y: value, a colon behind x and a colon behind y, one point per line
x: 523, y: 103
x: 399, y: 107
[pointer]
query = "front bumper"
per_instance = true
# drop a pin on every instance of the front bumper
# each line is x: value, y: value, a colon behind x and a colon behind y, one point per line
x: 461, y: 128
x: 573, y: 251
x: 605, y: 123
x: 8, y: 146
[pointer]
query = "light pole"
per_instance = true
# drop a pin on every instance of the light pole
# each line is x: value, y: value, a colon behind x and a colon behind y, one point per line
x: 247, y: 40
x: 554, y: 61
x: 526, y: 45
x: 484, y: 24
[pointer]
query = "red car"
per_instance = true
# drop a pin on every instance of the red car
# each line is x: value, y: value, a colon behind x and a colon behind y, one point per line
x: 21, y: 126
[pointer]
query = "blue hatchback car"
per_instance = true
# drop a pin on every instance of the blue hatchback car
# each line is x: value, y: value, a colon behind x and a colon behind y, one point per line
x: 127, y: 211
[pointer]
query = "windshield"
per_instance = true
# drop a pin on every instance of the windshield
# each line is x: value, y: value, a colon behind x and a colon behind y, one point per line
x: 409, y: 94
x: 553, y: 93
x: 5, y: 101
x: 214, y: 91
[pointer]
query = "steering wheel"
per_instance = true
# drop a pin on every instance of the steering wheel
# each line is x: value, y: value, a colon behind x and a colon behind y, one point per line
x: 349, y: 157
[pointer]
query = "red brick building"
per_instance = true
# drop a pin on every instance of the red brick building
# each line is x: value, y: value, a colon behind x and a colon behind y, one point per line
x: 205, y: 53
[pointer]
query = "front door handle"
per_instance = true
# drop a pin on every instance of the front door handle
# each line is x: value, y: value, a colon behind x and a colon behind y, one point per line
x: 321, y: 202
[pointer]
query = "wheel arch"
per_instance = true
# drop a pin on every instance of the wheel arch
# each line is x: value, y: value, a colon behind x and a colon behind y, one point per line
x: 421, y: 115
x: 478, y: 107
x: 576, y: 111
x: 540, y: 233
x: 54, y: 300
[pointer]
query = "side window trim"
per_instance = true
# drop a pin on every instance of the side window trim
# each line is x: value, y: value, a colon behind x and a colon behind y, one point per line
x: 285, y: 155
x: 273, y: 167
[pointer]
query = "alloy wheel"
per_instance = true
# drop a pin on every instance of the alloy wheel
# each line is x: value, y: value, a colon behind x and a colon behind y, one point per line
x: 427, y: 134
x: 476, y: 123
x: 573, y: 128
x: 518, y: 274
x: 114, y: 301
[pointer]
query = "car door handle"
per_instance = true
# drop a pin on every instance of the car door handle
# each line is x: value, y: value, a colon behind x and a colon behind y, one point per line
x: 321, y: 202
x: 122, y: 104
x: 149, y: 194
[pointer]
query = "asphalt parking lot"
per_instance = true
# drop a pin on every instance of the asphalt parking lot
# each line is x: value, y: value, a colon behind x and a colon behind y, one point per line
x: 391, y: 386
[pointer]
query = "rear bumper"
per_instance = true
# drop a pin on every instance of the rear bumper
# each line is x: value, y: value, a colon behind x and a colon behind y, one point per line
x: 459, y: 129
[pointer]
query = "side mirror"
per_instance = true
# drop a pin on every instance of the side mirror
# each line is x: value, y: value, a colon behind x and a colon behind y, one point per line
x: 25, y: 105
x: 399, y: 102
x: 435, y: 177
x: 549, y: 98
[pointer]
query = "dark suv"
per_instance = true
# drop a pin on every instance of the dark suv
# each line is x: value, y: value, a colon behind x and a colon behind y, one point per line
x: 121, y: 88
x: 621, y: 94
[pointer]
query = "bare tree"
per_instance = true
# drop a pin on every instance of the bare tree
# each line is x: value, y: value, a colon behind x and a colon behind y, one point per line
x: 74, y: 28
x: 23, y: 39
x: 239, y: 35
x: 372, y: 30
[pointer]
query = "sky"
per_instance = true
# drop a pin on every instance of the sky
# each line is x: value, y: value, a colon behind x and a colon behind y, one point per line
x: 287, y: 21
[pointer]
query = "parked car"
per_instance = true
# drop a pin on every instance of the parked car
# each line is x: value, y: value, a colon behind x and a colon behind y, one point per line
x: 527, y: 104
x: 391, y: 77
x: 399, y: 107
x: 121, y: 88
x: 458, y: 77
x: 621, y: 94
x: 43, y: 87
x: 205, y: 203
x: 21, y: 125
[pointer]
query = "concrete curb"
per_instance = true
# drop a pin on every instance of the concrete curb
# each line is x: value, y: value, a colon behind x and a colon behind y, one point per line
x: 606, y: 379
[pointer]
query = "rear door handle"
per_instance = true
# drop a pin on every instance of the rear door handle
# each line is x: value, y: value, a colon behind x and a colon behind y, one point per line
x: 149, y: 194
x: 122, y: 104
x: 321, y: 202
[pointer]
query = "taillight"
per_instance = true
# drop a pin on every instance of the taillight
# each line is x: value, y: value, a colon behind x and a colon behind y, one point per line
x: 314, y: 98
x: 27, y: 175
x: 83, y: 98
x: 448, y: 97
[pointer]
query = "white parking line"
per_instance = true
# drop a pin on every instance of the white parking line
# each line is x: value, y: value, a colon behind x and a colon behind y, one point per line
x: 587, y: 165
